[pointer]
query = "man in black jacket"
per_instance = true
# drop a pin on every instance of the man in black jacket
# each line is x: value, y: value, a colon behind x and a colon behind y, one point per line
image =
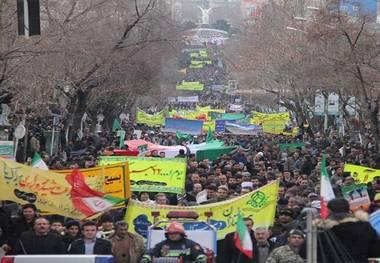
x: 40, y: 241
x: 21, y: 225
x: 4, y: 226
x: 89, y: 244
x: 345, y: 237
x: 229, y: 253
x: 262, y: 246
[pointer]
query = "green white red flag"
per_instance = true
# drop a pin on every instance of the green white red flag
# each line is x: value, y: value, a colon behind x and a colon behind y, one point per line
x: 37, y: 162
x: 327, y: 192
x: 242, y: 237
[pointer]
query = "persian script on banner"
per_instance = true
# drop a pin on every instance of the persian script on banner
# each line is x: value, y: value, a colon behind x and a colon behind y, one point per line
x: 259, y: 205
x: 50, y: 192
x: 112, y: 179
x: 361, y: 174
x: 150, y: 119
x: 153, y: 174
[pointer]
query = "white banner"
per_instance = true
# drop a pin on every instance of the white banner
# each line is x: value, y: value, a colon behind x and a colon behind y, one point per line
x: 244, y: 129
x: 194, y: 99
x: 236, y: 107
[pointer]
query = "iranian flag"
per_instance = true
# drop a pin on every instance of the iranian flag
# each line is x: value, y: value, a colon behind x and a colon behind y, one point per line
x: 87, y: 200
x: 242, y: 238
x: 327, y: 192
x: 37, y: 162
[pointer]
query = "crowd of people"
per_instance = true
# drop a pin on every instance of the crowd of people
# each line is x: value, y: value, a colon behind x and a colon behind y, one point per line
x: 256, y: 161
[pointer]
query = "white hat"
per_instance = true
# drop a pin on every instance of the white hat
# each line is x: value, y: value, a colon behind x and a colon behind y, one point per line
x: 246, y: 184
x: 316, y: 204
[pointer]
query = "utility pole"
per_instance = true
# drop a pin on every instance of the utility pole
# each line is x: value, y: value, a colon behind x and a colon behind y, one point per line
x: 26, y: 19
x: 311, y: 239
x: 326, y: 111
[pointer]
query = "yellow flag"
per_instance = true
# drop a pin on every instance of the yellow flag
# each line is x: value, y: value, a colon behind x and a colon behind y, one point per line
x: 361, y: 174
x: 259, y: 205
x: 110, y: 179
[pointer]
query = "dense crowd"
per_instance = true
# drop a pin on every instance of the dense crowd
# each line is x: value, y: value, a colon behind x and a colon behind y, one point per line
x: 256, y: 161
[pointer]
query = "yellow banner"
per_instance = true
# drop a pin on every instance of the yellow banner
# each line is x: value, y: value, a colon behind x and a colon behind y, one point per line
x: 209, y: 124
x: 149, y: 119
x: 361, y: 174
x: 208, y: 109
x: 153, y: 174
x: 205, y: 109
x: 47, y: 190
x: 185, y: 85
x: 189, y: 115
x: 111, y: 179
x: 278, y: 127
x: 259, y: 205
x: 259, y: 118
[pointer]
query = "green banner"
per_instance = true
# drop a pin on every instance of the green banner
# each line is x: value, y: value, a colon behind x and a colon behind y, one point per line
x: 291, y: 146
x: 185, y: 85
x: 233, y: 116
x: 213, y: 154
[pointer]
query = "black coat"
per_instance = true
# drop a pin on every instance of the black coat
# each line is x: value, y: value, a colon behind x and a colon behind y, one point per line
x: 4, y: 226
x: 230, y: 254
x: 353, y: 233
x: 102, y: 247
x: 31, y: 244
x: 18, y: 226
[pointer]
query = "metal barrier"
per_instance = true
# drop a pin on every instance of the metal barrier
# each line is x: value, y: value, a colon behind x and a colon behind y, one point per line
x: 57, y: 259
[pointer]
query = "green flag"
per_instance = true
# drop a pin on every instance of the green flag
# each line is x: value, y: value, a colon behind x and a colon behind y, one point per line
x: 121, y: 135
x: 209, y: 137
x: 182, y: 136
x: 116, y: 125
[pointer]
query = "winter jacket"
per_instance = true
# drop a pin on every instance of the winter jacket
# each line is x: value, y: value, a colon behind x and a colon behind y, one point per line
x: 31, y: 244
x: 136, y: 248
x: 232, y: 255
x: 346, y: 238
x: 19, y: 226
x: 102, y: 247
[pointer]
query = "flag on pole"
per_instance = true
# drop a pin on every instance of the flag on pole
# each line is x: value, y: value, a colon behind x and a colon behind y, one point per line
x: 327, y: 192
x: 242, y: 238
x: 116, y: 125
x: 37, y: 162
x: 88, y: 201
x: 209, y: 136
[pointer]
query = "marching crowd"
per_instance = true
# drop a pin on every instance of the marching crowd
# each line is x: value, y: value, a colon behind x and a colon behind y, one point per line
x: 255, y: 162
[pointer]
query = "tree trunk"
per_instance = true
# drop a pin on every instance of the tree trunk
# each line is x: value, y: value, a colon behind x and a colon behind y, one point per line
x: 77, y: 108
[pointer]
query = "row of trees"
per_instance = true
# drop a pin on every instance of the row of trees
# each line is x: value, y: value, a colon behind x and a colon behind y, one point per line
x: 326, y: 51
x: 92, y: 56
